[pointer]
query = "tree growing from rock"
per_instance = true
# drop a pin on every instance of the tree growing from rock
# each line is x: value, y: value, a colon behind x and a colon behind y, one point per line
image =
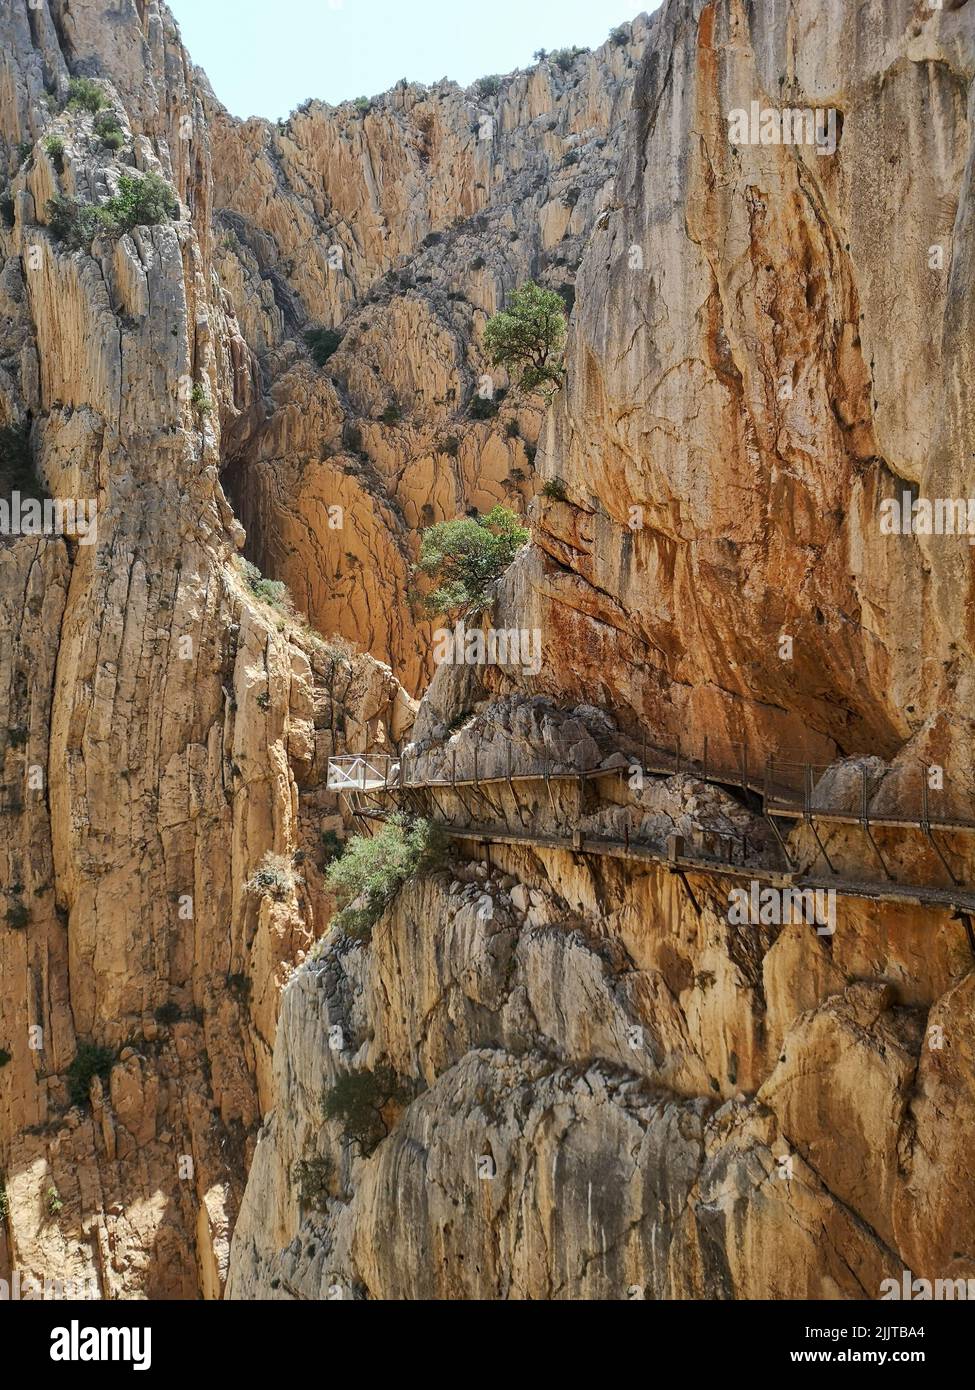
x: 371, y: 869
x: 466, y: 556
x: 527, y: 339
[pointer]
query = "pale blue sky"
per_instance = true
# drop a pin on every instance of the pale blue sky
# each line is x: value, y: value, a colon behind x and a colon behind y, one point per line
x: 264, y: 57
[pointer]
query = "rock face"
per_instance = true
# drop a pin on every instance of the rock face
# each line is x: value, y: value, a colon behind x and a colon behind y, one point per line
x: 164, y: 729
x: 607, y: 1089
x: 404, y: 228
x: 638, y: 1101
x: 592, y: 1082
x: 748, y: 391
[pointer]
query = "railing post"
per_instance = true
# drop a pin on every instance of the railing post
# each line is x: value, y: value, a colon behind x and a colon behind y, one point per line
x: 475, y: 766
x: 453, y: 769
x: 864, y: 817
x: 766, y: 790
x: 807, y: 786
x: 925, y: 810
x: 678, y: 753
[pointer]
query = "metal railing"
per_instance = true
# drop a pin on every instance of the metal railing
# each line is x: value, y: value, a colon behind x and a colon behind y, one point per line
x: 358, y: 772
x: 787, y: 787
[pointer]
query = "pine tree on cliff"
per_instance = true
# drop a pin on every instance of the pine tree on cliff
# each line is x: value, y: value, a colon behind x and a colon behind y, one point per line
x: 527, y: 339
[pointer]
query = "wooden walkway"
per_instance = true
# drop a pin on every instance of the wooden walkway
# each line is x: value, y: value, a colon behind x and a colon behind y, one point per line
x: 372, y: 781
x: 779, y: 798
x: 605, y: 846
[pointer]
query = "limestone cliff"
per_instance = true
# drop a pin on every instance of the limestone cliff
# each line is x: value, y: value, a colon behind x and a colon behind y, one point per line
x: 604, y: 1088
x: 612, y: 1091
x: 164, y: 730
x: 403, y: 227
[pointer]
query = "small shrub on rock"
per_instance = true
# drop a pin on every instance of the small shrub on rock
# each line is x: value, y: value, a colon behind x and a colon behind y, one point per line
x: 372, y: 868
x: 54, y: 148
x: 90, y: 1061
x: 109, y: 130
x: 274, y: 875
x: 313, y: 1179
x: 84, y: 94
x: 322, y: 342
x: 18, y: 916
x: 142, y: 200
x: 72, y: 221
x: 556, y: 489
x: 358, y: 1100
x: 270, y: 591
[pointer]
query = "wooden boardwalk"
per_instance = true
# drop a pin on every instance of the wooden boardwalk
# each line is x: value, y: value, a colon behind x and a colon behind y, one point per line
x: 373, y: 782
x: 605, y: 846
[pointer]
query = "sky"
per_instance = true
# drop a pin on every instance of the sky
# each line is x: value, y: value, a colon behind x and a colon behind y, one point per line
x: 265, y: 57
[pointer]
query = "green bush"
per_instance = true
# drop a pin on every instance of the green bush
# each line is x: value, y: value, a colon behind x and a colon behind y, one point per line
x: 142, y: 200
x: 564, y: 58
x: 72, y: 221
x: 84, y: 94
x: 467, y: 555
x: 322, y: 342
x: 484, y: 407
x: 620, y: 35
x: 168, y: 1013
x: 109, y: 130
x: 199, y: 399
x: 392, y: 414
x: 5, y: 1056
x: 527, y: 339
x: 355, y: 922
x: 7, y: 211
x: 54, y: 148
x: 90, y: 1061
x: 273, y: 592
x: 488, y: 86
x: 371, y: 869
x: 331, y: 846
x: 4, y: 1202
x: 362, y: 105
x: 313, y: 1179
x: 54, y: 1203
x: 358, y: 1099
x: 24, y: 151
x: 556, y: 489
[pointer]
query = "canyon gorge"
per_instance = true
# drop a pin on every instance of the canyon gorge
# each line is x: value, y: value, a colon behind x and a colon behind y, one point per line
x: 605, y: 1088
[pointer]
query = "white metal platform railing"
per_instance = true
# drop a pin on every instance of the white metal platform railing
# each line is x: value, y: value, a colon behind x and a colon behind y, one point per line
x: 354, y: 772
